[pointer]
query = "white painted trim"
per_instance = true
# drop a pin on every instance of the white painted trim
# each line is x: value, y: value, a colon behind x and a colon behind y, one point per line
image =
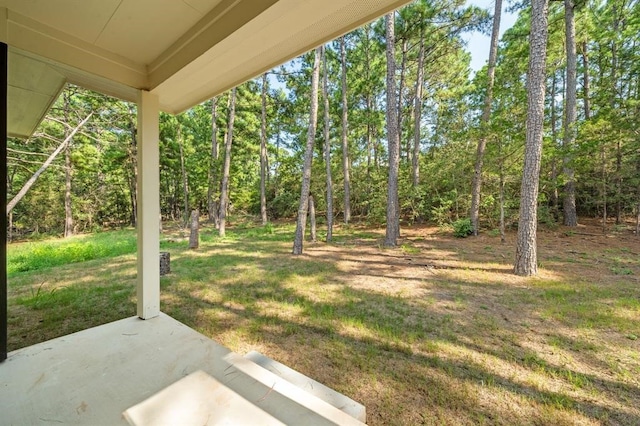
x: 32, y: 36
x: 148, y: 280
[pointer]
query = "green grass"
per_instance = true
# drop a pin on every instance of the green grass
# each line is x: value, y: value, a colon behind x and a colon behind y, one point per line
x: 463, y: 345
x: 33, y: 256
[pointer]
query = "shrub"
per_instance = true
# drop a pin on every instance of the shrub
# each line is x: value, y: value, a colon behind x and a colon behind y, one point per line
x: 462, y: 227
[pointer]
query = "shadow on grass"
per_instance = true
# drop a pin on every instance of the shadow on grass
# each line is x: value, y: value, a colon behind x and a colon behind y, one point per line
x: 391, y: 328
x: 410, y: 359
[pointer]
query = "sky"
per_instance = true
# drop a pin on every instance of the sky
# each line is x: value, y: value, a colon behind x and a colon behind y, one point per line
x: 478, y: 44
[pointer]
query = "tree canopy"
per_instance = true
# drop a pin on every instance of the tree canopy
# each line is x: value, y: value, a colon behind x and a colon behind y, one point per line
x: 439, y: 111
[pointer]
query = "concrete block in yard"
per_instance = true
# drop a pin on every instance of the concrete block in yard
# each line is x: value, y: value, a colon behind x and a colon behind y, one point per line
x: 165, y: 263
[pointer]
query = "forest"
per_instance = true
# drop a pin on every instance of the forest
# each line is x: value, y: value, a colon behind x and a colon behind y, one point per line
x: 392, y: 106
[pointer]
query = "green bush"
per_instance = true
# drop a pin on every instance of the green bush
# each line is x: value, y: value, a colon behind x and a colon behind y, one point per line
x: 462, y: 228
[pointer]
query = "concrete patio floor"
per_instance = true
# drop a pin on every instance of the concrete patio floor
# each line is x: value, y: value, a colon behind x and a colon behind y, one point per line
x: 168, y: 372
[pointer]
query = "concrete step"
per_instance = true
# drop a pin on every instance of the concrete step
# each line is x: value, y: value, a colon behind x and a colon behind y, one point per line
x: 317, y: 389
x: 274, y: 388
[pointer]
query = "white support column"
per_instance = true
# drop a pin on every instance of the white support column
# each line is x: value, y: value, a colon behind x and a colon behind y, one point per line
x: 148, y: 288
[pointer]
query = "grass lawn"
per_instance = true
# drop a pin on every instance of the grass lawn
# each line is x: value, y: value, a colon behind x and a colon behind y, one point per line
x: 437, y: 331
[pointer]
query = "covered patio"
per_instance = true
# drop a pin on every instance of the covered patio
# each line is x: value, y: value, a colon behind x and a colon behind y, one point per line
x: 157, y: 371
x: 165, y: 55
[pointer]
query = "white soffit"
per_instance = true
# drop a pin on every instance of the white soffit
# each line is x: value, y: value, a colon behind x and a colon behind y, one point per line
x: 282, y: 32
x: 185, y: 51
x: 32, y: 88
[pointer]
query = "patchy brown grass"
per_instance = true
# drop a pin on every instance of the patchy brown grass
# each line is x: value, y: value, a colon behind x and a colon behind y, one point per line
x: 436, y: 331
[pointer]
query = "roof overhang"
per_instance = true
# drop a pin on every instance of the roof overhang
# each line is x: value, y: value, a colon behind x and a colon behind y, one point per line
x: 184, y: 51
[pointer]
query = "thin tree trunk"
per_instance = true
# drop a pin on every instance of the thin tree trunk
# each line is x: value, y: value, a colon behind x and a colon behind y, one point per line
x: 263, y: 153
x: 417, y: 109
x: 603, y: 159
x: 133, y: 185
x: 345, y: 142
x: 68, y: 213
x: 570, y: 113
x: 502, y: 182
x: 393, y: 208
x: 369, y: 136
x: 476, y: 184
x: 185, y: 183
x: 224, y: 141
x: 555, y: 209
x: 614, y: 103
x: 618, y: 181
x: 638, y: 195
x: 554, y: 140
x: 308, y: 157
x: 213, y: 183
x: 312, y: 219
x: 194, y: 236
x: 327, y: 146
x: 376, y: 148
x: 276, y: 186
x: 28, y: 184
x: 403, y: 66
x: 526, y: 262
x: 369, y: 101
x: 585, y: 81
x: 638, y: 219
x: 370, y: 153
x: 224, y: 191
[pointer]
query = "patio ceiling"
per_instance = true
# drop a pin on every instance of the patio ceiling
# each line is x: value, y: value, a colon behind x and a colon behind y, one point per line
x: 183, y: 51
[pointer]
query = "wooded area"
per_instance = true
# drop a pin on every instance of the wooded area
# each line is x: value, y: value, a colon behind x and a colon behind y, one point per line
x: 399, y: 109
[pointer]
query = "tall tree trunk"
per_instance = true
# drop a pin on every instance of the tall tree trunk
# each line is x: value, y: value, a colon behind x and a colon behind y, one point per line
x: 369, y: 106
x: 133, y: 180
x: 263, y: 153
x: 403, y: 67
x: 224, y: 191
x: 68, y: 213
x: 213, y: 182
x: 554, y: 139
x: 526, y: 262
x: 327, y: 146
x: 603, y: 188
x: 417, y: 109
x: 29, y: 183
x: 638, y: 196
x: 276, y: 186
x: 502, y: 182
x: 393, y: 207
x: 312, y: 219
x: 476, y: 184
x: 345, y: 141
x: 585, y: 81
x: 618, y: 181
x: 308, y: 157
x: 614, y: 104
x: 185, y: 182
x: 570, y: 113
x: 369, y: 135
